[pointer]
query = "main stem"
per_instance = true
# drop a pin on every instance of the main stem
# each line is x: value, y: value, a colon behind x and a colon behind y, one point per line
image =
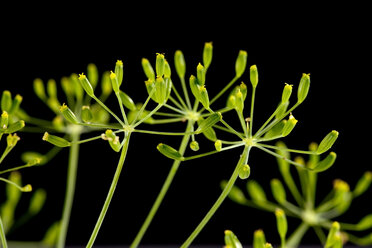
x: 163, y: 190
x: 111, y: 191
x: 70, y: 189
x: 220, y: 199
x: 2, y: 235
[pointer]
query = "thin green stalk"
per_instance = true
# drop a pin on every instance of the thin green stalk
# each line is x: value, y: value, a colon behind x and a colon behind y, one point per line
x: 12, y: 183
x: 111, y: 191
x: 164, y: 189
x: 185, y: 92
x: 243, y: 123
x: 2, y: 235
x: 108, y: 110
x: 286, y: 149
x: 166, y: 121
x: 295, y: 239
x: 279, y: 156
x: 70, y: 189
x: 148, y: 115
x: 17, y: 168
x: 174, y: 109
x: 160, y: 132
x: 252, y: 110
x: 223, y: 90
x: 122, y: 108
x: 212, y: 152
x: 220, y: 199
x: 179, y: 97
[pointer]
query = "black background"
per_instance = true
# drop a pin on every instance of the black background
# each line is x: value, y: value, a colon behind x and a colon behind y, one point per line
x: 329, y: 43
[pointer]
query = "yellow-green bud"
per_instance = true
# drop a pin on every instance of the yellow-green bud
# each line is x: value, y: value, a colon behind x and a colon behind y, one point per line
x: 92, y: 73
x: 86, y: 113
x: 335, y: 228
x: 167, y: 70
x: 6, y: 101
x: 26, y: 188
x: 287, y: 91
x: 68, y: 114
x: 203, y: 96
x: 236, y: 195
x: 281, y: 109
x: 281, y: 222
x: 256, y: 192
x: 231, y: 101
x: 209, y: 133
x: 147, y: 68
x: 327, y: 142
x: 106, y: 84
x: 119, y: 71
x: 12, y: 140
x: 241, y: 63
x: 278, y: 190
x: 114, y: 82
x: 55, y: 140
x: 209, y: 122
x: 127, y: 101
x: 15, y: 127
x: 243, y: 89
x: 231, y: 241
x: 39, y: 89
x: 207, y: 54
x: 113, y: 140
x: 289, y: 125
x: 326, y: 163
x: 218, y: 145
x: 52, y: 88
x: 86, y: 85
x: 169, y: 151
x: 253, y: 73
x: 365, y: 223
x: 244, y: 171
x: 200, y: 74
x: 58, y: 123
x: 4, y: 120
x: 259, y: 239
x: 194, y: 86
x: 16, y: 103
x: 239, y: 102
x: 363, y: 184
x: 268, y: 245
x: 303, y: 88
x: 179, y: 63
x: 37, y: 201
x: 160, y: 64
x: 194, y: 145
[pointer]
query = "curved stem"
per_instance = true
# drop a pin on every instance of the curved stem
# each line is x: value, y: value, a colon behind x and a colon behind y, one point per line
x: 70, y: 189
x: 111, y: 191
x: 2, y: 235
x: 220, y: 199
x: 163, y: 190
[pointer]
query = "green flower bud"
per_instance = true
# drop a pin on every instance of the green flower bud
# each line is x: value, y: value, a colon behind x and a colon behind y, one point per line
x: 106, y: 84
x: 256, y: 192
x: 68, y: 114
x: 4, y: 121
x: 207, y: 54
x: 119, y: 71
x: 303, y: 88
x: 268, y: 245
x: 326, y: 163
x: 39, y: 89
x: 167, y: 70
x: 244, y: 171
x: 235, y: 194
x: 335, y: 228
x: 200, y: 74
x: 86, y: 113
x: 276, y: 131
x: 327, y: 142
x: 278, y: 190
x: 194, y: 86
x: 287, y: 91
x: 12, y: 140
x: 203, y: 97
x: 16, y: 103
x: 365, y: 223
x: 363, y: 184
x: 114, y: 82
x: 218, y: 145
x: 241, y: 63
x: 209, y: 122
x: 169, y: 152
x: 180, y: 64
x: 86, y: 85
x: 113, y: 140
x: 6, y: 101
x: 281, y: 109
x: 67, y: 87
x: 281, y: 222
x: 259, y: 239
x: 58, y: 123
x: 77, y: 88
x: 289, y: 125
x: 194, y: 145
x: 253, y: 75
x: 15, y: 127
x: 92, y: 73
x: 239, y: 102
x: 231, y: 101
x: 26, y: 188
x: 127, y: 101
x: 160, y: 64
x: 52, y: 88
x: 243, y: 89
x: 55, y: 140
x: 147, y: 68
x: 160, y: 90
x: 231, y: 240
x: 209, y: 133
x: 30, y: 157
x: 37, y: 201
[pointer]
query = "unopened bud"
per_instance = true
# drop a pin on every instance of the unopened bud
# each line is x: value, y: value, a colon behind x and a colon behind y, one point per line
x: 335, y: 228
x: 6, y: 101
x: 256, y: 192
x: 218, y: 145
x: 39, y: 89
x: 194, y: 145
x: 180, y: 64
x: 287, y: 91
x: 86, y: 113
x: 4, y: 120
x: 15, y: 127
x: 114, y: 82
x: 16, y: 103
x: 281, y: 222
x: 259, y: 239
x: 327, y: 142
x: 127, y: 101
x: 289, y: 126
x: 68, y: 114
x: 200, y: 74
x: 12, y: 140
x: 278, y: 190
x: 363, y: 183
x: 119, y: 71
x: 86, y: 85
x: 207, y: 54
x: 253, y: 75
x: 113, y: 140
x: 147, y: 68
x: 231, y: 240
x: 209, y: 122
x: 160, y: 65
x: 326, y: 163
x: 241, y: 63
x: 52, y: 88
x: 244, y: 171
x: 203, y: 97
x: 169, y: 151
x: 26, y: 188
x: 55, y: 140
x: 303, y: 88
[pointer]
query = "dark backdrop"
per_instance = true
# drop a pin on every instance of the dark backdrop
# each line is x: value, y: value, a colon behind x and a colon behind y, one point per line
x: 329, y: 44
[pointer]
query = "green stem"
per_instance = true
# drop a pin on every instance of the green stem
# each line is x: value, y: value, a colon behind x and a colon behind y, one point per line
x: 148, y: 115
x: 223, y: 90
x: 220, y: 199
x: 111, y: 191
x: 295, y: 239
x: 164, y: 189
x: 2, y: 235
x: 184, y: 89
x: 70, y: 190
x: 179, y: 97
x: 109, y: 111
x: 121, y: 108
x: 252, y: 110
